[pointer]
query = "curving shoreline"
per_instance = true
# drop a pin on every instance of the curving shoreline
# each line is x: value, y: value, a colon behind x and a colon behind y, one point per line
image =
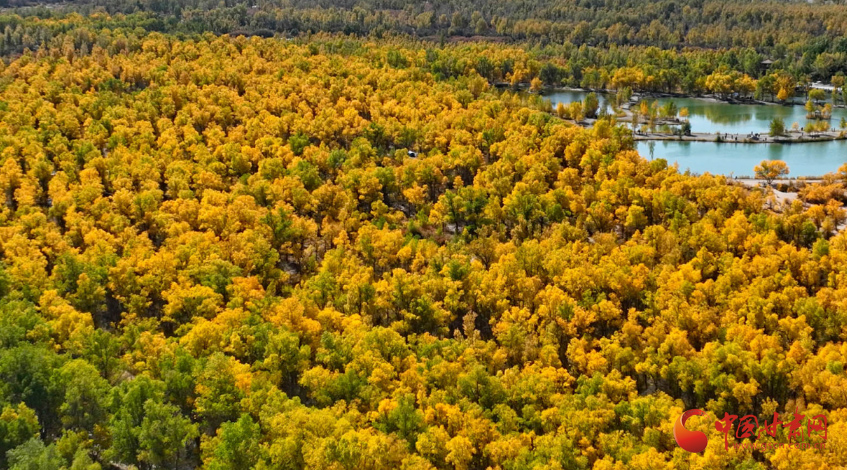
x: 625, y: 115
x: 729, y: 138
x: 710, y: 97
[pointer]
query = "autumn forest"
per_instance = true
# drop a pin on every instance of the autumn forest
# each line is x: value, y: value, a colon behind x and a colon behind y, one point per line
x: 349, y: 236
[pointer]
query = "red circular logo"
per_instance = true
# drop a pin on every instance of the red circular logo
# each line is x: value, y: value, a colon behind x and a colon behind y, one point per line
x: 692, y: 441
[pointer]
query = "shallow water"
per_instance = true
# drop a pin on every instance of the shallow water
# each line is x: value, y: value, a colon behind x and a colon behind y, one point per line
x: 803, y: 159
x: 806, y: 159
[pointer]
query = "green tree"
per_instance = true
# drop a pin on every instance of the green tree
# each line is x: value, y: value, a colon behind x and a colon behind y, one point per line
x: 404, y: 420
x: 34, y: 455
x: 590, y: 106
x: 298, y: 142
x: 669, y: 110
x: 128, y: 402
x: 26, y: 375
x: 777, y: 127
x: 18, y: 424
x: 164, y: 434
x: 84, y: 403
x: 235, y: 446
x: 220, y: 397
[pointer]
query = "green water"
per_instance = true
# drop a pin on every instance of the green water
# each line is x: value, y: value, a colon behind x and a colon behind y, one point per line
x: 806, y: 159
x: 711, y: 116
x: 803, y: 159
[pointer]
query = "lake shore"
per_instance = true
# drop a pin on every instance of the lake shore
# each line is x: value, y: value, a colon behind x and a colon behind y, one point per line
x: 747, y: 138
x: 637, y: 96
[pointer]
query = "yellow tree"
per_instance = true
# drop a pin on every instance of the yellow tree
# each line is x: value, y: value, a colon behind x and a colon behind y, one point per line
x: 770, y: 170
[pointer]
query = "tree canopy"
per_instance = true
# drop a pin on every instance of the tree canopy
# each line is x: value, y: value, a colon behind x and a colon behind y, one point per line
x: 231, y: 252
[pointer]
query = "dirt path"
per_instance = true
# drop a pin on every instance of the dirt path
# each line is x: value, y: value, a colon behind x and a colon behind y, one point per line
x: 784, y: 196
x: 781, y: 196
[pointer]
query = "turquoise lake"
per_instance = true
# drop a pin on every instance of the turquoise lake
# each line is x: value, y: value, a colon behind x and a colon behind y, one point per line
x: 803, y: 159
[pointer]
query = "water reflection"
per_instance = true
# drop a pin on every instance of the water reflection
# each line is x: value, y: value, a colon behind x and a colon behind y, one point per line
x: 569, y: 96
x: 804, y: 159
x: 717, y: 116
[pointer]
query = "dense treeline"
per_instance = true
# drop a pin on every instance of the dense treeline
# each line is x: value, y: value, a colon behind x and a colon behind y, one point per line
x: 773, y: 74
x: 253, y: 253
x: 770, y: 27
x: 668, y: 23
x: 725, y: 73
